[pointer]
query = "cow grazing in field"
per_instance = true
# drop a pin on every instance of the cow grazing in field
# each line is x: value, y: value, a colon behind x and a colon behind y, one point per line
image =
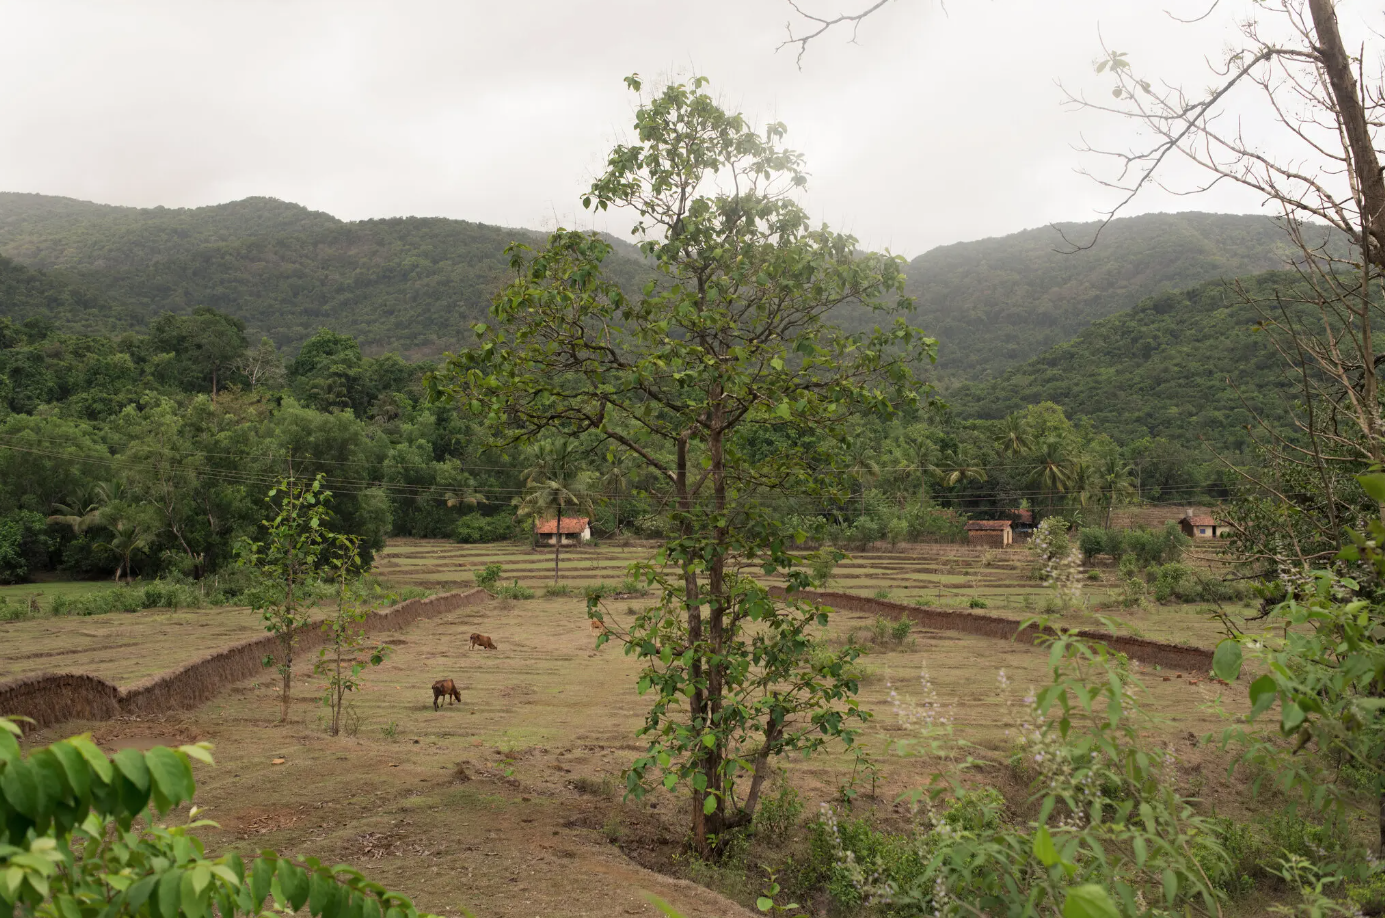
x: 481, y: 640
x: 445, y: 688
x: 598, y: 627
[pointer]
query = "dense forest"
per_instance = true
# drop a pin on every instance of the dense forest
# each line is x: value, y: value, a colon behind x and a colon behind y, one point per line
x: 415, y: 285
x: 412, y: 285
x: 999, y: 302
x: 1158, y: 370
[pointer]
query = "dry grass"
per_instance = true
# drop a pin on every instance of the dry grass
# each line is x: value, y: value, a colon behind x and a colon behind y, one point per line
x: 546, y: 726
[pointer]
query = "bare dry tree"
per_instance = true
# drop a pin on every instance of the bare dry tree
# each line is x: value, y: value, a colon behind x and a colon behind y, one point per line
x: 1315, y: 162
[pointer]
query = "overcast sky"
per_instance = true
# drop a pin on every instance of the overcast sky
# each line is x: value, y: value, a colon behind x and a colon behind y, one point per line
x: 938, y: 125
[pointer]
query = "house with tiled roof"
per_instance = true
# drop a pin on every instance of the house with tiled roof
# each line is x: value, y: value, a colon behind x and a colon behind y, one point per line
x: 1198, y: 525
x: 576, y: 529
x: 990, y: 533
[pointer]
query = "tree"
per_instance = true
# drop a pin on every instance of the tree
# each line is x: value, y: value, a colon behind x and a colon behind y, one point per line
x: 130, y: 536
x: 621, y: 469
x: 295, y: 544
x: 1014, y: 440
x: 345, y: 631
x: 554, y: 483
x: 1053, y: 468
x: 262, y: 367
x: 734, y: 336
x: 206, y: 345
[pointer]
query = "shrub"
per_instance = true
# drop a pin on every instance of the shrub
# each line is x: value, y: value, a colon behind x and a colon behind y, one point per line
x: 976, y: 602
x: 821, y: 565
x: 488, y: 577
x: 514, y: 591
x: 1093, y: 544
x: 778, y: 813
x: 1183, y: 584
x: 557, y: 589
x: 476, y: 529
x: 157, y: 594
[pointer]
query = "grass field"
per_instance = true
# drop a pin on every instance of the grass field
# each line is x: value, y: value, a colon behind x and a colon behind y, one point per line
x: 536, y: 826
x: 48, y: 590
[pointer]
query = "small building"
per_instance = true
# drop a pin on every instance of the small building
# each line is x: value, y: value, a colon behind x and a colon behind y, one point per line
x: 1021, y: 523
x: 990, y: 533
x: 1199, y: 526
x: 576, y: 529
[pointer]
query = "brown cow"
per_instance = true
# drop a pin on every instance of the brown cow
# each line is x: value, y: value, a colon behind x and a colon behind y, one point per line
x: 598, y: 627
x: 481, y: 640
x: 445, y: 688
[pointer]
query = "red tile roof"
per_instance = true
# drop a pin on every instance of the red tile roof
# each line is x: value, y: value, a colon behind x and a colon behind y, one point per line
x: 572, y: 525
x: 1022, y: 516
x: 1198, y: 521
x: 987, y: 525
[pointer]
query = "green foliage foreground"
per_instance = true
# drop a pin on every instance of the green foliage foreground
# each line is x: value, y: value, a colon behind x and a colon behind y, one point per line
x: 77, y: 841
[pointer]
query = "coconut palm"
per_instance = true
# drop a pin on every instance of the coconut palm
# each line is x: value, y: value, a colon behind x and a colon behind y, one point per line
x: 81, y: 512
x: 1015, y: 438
x: 619, y: 473
x: 860, y: 455
x: 1053, y: 468
x: 555, y: 483
x: 128, y: 538
x: 956, y: 466
x: 1110, y: 478
x: 917, y: 449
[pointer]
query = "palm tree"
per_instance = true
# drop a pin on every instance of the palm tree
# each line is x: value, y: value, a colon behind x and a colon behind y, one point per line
x: 128, y: 537
x: 1053, y: 468
x: 621, y: 469
x: 81, y: 512
x: 85, y: 510
x: 554, y: 483
x: 915, y: 445
x: 956, y: 467
x: 1015, y: 438
x: 1110, y: 476
x: 864, y: 469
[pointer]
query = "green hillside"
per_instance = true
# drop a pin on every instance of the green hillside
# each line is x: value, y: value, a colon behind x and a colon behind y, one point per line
x: 999, y: 302
x: 1157, y: 370
x: 411, y: 284
x: 27, y: 294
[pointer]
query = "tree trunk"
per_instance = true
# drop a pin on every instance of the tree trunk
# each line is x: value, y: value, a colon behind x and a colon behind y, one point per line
x: 557, y: 542
x: 697, y: 701
x: 1369, y: 181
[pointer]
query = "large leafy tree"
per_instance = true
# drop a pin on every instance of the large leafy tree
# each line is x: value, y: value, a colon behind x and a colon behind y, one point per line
x: 733, y: 337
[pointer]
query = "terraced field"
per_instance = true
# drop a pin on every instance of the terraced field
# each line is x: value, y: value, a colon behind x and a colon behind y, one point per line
x: 1000, y: 581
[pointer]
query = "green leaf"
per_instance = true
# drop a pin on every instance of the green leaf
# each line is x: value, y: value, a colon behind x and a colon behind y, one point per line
x: 1044, y: 848
x: 1291, y: 717
x: 319, y: 892
x: 170, y: 773
x: 1089, y: 901
x: 764, y: 903
x: 131, y: 764
x: 77, y: 771
x: 709, y: 805
x: 260, y: 876
x: 1262, y: 694
x: 1226, y: 661
x: 20, y: 788
x: 170, y: 893
x: 1170, y: 886
x: 1374, y: 486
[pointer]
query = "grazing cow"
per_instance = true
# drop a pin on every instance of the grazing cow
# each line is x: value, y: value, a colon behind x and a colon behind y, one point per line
x: 598, y: 627
x: 445, y: 688
x: 481, y: 640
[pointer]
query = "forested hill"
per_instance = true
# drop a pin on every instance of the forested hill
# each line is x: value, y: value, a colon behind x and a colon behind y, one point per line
x: 1157, y: 370
x: 412, y: 285
x: 999, y: 302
